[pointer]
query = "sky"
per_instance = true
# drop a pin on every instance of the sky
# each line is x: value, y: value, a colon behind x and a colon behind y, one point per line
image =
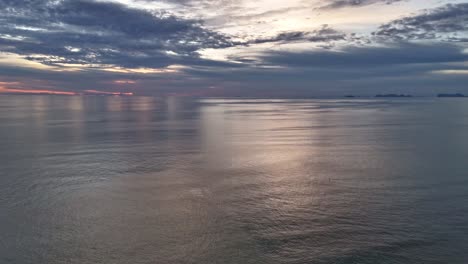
x: 262, y: 48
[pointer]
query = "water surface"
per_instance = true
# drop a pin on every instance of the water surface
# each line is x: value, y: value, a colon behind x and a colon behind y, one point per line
x: 91, y: 180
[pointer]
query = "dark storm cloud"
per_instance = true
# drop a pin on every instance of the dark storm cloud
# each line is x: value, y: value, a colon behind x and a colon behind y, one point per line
x: 446, y: 22
x: 335, y: 4
x: 90, y: 32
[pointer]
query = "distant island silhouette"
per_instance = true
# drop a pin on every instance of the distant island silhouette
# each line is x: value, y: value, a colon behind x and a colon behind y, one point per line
x: 451, y: 95
x: 441, y: 95
x: 393, y: 95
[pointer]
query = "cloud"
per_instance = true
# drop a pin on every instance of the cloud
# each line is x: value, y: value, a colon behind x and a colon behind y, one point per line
x: 89, y: 32
x: 397, y: 68
x: 336, y: 4
x: 325, y: 34
x: 118, y: 47
x: 362, y: 70
x: 449, y: 22
x: 357, y: 63
x: 363, y: 57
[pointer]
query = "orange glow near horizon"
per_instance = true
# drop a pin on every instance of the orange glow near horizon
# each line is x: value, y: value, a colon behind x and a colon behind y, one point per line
x: 7, y: 90
x: 124, y: 82
x: 107, y: 93
x: 33, y: 91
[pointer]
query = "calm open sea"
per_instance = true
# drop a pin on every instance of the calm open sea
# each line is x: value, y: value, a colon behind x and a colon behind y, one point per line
x: 137, y: 180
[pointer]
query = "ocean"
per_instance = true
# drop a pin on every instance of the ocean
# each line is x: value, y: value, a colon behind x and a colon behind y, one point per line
x: 140, y: 180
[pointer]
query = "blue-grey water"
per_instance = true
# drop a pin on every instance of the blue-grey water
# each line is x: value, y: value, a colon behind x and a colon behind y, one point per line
x: 130, y: 180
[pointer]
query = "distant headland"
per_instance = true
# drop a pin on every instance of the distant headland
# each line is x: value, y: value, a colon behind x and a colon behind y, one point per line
x: 451, y: 95
x: 393, y: 95
x: 441, y: 95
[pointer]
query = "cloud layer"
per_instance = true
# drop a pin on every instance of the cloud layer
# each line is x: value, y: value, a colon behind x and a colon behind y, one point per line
x: 233, y: 47
x: 446, y: 22
x: 102, y: 33
x: 334, y: 4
